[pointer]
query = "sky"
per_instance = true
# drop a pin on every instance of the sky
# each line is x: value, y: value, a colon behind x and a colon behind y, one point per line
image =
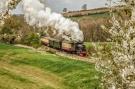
x: 58, y: 5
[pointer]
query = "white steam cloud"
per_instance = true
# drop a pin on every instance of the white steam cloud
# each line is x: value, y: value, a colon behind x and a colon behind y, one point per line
x: 36, y: 14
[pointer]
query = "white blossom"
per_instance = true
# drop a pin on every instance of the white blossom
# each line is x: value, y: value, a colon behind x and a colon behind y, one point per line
x: 119, y: 67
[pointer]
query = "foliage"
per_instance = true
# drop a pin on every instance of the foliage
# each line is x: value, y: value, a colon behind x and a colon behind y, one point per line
x: 6, y: 30
x: 32, y: 39
x: 9, y: 31
x: 16, y: 30
x: 119, y: 65
x: 94, y: 49
x: 6, y: 6
x: 90, y: 49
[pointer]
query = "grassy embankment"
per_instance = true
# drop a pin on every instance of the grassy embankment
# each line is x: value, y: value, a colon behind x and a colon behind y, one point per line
x: 91, y: 16
x: 96, y: 49
x: 26, y: 69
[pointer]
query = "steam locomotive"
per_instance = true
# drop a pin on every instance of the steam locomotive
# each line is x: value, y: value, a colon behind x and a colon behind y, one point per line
x: 70, y: 47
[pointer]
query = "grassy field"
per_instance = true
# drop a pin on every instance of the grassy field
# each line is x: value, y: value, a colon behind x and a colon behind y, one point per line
x: 92, y: 16
x: 22, y: 68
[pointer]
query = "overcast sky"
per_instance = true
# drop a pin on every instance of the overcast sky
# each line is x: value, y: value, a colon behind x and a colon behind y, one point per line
x: 58, y: 5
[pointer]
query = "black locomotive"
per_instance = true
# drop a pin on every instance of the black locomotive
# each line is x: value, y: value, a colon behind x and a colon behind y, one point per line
x: 70, y: 47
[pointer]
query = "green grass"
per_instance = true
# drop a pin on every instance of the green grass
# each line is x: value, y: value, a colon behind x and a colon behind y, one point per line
x: 73, y: 74
x: 4, y: 72
x: 91, y: 16
x: 98, y: 44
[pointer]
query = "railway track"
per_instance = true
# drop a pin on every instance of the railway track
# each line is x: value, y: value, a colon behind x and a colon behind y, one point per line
x: 44, y: 49
x: 68, y: 55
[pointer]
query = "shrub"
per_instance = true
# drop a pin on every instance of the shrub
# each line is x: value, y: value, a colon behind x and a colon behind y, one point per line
x: 31, y: 39
x: 6, y: 30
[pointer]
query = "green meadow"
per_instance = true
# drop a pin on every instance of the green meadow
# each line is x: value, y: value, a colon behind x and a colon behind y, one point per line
x: 22, y: 68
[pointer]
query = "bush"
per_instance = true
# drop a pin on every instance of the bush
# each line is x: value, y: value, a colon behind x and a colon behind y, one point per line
x: 98, y: 48
x: 6, y: 38
x: 31, y: 39
x: 6, y: 30
x: 90, y: 49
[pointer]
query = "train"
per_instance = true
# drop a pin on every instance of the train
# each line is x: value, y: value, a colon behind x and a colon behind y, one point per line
x: 77, y: 48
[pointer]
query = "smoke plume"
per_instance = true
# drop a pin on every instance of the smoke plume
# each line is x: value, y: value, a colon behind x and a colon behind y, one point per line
x: 36, y: 14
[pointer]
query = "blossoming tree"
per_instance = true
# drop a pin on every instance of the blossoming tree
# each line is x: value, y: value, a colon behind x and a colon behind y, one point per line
x: 118, y: 66
x: 5, y: 7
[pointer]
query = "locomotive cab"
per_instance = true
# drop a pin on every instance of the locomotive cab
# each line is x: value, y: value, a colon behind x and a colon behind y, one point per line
x: 81, y: 49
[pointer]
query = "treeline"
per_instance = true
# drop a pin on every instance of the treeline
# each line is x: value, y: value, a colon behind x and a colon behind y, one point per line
x: 16, y: 30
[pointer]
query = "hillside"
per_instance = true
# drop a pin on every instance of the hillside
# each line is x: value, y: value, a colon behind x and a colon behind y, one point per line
x: 92, y: 11
x: 26, y: 69
x: 91, y: 26
x: 90, y: 23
